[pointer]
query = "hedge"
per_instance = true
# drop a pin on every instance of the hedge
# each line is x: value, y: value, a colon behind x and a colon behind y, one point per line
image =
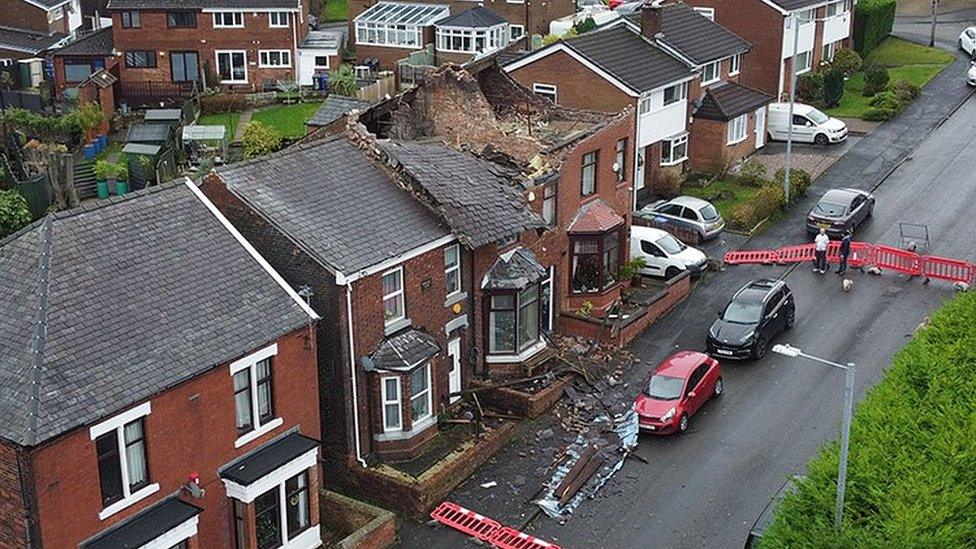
x: 911, y: 480
x: 873, y: 20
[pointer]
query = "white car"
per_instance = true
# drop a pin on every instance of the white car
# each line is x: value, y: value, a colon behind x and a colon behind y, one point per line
x: 665, y: 255
x: 809, y: 124
x: 687, y: 213
x: 967, y: 40
x: 971, y: 74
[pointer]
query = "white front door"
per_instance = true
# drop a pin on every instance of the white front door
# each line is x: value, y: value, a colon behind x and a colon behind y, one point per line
x: 760, y: 127
x: 454, y: 377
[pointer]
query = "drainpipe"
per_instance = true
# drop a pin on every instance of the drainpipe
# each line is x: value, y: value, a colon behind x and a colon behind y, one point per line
x: 298, y: 55
x: 352, y: 370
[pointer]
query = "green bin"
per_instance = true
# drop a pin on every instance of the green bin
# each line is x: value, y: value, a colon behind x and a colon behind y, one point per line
x: 102, y: 189
x: 121, y: 187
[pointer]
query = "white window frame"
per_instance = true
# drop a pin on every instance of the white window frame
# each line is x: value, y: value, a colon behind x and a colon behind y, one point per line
x: 840, y: 5
x: 546, y: 90
x: 118, y: 424
x: 645, y: 104
x: 250, y: 363
x: 718, y: 72
x: 235, y: 16
x: 707, y: 13
x: 735, y: 64
x: 808, y: 62
x: 804, y: 17
x: 231, y: 53
x: 399, y: 294
x: 511, y: 31
x: 387, y: 400
x: 428, y: 392
x: 494, y: 38
x: 827, y: 55
x: 732, y: 131
x: 278, y: 14
x: 455, y: 270
x: 411, y: 34
x: 675, y: 142
x: 681, y: 93
x: 264, y: 58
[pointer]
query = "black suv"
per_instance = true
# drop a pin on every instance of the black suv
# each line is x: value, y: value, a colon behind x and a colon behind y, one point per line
x: 756, y: 313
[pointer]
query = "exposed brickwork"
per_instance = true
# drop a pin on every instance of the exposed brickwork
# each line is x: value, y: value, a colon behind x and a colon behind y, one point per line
x: 19, y: 14
x: 13, y: 507
x: 370, y: 527
x: 191, y: 429
x: 709, y: 151
x: 577, y: 87
x: 527, y: 405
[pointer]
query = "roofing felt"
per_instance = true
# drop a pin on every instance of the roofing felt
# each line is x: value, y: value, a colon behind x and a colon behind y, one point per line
x: 98, y: 43
x: 201, y: 4
x: 335, y: 107
x: 478, y: 17
x: 513, y: 270
x: 145, y: 526
x: 695, y: 36
x: 261, y: 461
x: 141, y: 148
x: 106, y: 305
x: 728, y: 100
x: 630, y: 58
x: 595, y: 217
x: 148, y: 133
x: 336, y: 202
x: 163, y: 115
x: 404, y: 350
x: 28, y: 42
x: 476, y: 197
x: 326, y: 39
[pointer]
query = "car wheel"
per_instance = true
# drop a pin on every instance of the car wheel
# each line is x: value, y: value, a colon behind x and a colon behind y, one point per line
x: 790, y: 318
x: 821, y: 140
x: 870, y: 212
x: 719, y: 387
x: 683, y: 423
x: 671, y: 272
x: 960, y: 45
x: 760, y: 350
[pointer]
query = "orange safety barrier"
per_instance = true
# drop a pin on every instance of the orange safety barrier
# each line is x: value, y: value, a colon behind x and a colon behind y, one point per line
x: 465, y: 520
x: 750, y: 256
x: 861, y: 254
x: 898, y: 260
x: 509, y: 538
x: 948, y: 269
x: 796, y: 254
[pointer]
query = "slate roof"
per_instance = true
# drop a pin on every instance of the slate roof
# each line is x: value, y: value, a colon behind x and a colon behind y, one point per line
x: 404, y: 351
x: 200, y: 4
x: 513, y: 270
x: 478, y: 17
x: 145, y: 526
x: 595, y: 217
x: 143, y: 292
x: 28, y: 42
x: 628, y: 57
x: 98, y: 43
x: 474, y: 196
x: 337, y: 203
x: 335, y: 107
x: 694, y: 35
x: 728, y: 100
x: 268, y: 457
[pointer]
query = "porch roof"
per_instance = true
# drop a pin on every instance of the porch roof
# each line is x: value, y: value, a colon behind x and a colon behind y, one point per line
x: 728, y: 100
x: 404, y: 351
x: 595, y: 217
x: 514, y: 270
x: 404, y: 14
x: 145, y: 526
x: 262, y: 461
x: 28, y: 42
x: 99, y: 43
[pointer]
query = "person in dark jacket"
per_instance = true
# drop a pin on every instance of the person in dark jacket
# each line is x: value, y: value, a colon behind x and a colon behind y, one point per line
x: 845, y: 251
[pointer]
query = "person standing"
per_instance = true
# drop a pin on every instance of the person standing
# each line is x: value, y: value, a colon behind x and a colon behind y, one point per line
x: 820, y: 252
x: 845, y: 251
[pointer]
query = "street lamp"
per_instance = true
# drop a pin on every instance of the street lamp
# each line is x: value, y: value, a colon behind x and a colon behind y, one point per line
x: 795, y: 25
x: 845, y: 434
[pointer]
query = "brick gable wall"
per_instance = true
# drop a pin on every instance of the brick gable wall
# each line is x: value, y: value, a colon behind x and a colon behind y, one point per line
x: 18, y: 14
x: 13, y: 508
x: 577, y: 87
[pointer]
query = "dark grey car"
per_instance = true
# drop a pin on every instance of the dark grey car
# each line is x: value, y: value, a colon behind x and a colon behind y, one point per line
x: 839, y: 210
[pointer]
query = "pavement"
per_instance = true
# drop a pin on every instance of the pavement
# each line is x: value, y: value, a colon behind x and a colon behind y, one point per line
x: 706, y: 488
x: 811, y: 158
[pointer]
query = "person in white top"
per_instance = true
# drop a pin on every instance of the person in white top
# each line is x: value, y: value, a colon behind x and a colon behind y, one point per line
x: 820, y: 252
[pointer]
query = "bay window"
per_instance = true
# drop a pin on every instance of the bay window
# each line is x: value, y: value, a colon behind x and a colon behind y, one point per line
x: 273, y: 527
x: 420, y: 397
x: 737, y: 129
x: 596, y: 262
x: 514, y: 320
x: 674, y: 151
x: 392, y: 410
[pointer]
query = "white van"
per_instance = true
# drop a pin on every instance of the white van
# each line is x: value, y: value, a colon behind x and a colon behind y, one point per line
x: 809, y: 124
x: 665, y: 255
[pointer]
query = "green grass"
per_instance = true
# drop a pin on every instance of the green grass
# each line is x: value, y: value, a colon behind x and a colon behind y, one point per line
x: 724, y: 195
x: 289, y: 119
x: 227, y: 120
x: 895, y: 52
x: 334, y: 10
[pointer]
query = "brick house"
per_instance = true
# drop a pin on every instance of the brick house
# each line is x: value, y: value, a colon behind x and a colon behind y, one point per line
x: 156, y: 380
x: 28, y: 28
x: 77, y: 61
x: 824, y: 27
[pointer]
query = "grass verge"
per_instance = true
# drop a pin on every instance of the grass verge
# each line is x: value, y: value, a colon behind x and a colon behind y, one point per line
x: 723, y: 194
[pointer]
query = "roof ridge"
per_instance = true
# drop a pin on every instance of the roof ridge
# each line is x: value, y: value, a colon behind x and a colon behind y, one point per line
x: 287, y: 151
x: 39, y: 337
x: 99, y: 203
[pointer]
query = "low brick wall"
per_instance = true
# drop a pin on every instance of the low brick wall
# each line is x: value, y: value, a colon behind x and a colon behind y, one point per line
x: 417, y: 496
x: 520, y: 403
x: 371, y: 527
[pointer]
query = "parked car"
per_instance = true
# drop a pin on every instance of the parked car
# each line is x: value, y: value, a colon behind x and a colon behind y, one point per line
x: 971, y: 73
x: 809, y: 124
x: 664, y: 254
x: 839, y: 210
x: 967, y: 41
x: 753, y: 317
x: 768, y: 513
x: 676, y: 390
x: 688, y: 213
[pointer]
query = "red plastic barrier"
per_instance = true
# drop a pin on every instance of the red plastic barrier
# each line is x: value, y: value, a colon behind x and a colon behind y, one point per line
x: 465, y: 520
x: 509, y: 538
x: 796, y: 254
x: 948, y: 269
x: 750, y: 256
x: 861, y: 254
x: 898, y: 260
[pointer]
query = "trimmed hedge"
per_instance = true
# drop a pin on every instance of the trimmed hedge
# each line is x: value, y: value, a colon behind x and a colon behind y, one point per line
x: 911, y: 480
x: 873, y: 20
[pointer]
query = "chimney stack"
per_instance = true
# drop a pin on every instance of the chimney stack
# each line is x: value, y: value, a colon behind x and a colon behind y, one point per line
x: 651, y: 18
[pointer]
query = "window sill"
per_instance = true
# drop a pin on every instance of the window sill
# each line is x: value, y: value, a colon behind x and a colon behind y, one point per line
x: 262, y: 430
x: 418, y: 427
x: 710, y: 82
x: 455, y: 298
x: 306, y: 540
x: 736, y: 73
x: 233, y: 81
x: 521, y: 357
x: 674, y: 162
x: 396, y: 325
x: 138, y: 496
x: 274, y: 66
x: 736, y: 142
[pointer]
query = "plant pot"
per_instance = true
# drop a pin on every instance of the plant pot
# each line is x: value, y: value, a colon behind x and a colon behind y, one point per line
x: 121, y: 187
x: 102, y: 189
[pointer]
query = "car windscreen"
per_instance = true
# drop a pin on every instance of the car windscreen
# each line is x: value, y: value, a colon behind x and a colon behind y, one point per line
x: 709, y: 213
x: 743, y: 312
x: 670, y: 244
x: 664, y: 387
x: 818, y: 117
x: 829, y: 209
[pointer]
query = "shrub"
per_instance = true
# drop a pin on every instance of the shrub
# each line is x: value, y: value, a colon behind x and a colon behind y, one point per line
x: 260, y: 139
x: 910, y: 481
x: 667, y: 184
x: 585, y: 25
x: 14, y: 213
x: 875, y: 114
x: 343, y: 81
x: 886, y: 100
x: 752, y: 173
x: 768, y: 201
x: 800, y: 182
x: 223, y: 102
x: 833, y: 86
x: 810, y: 88
x: 875, y: 79
x: 873, y: 20
x: 110, y: 170
x: 906, y: 91
x: 847, y: 60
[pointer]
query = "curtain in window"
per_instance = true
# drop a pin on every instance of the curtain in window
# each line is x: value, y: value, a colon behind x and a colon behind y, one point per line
x: 528, y: 317
x: 242, y: 400
x: 586, y: 266
x: 135, y: 454
x: 264, y: 389
x: 296, y: 507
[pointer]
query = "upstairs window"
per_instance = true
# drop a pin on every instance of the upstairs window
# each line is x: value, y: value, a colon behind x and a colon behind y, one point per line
x: 181, y: 19
x: 621, y: 159
x: 711, y: 72
x: 735, y: 64
x: 588, y: 173
x: 673, y: 94
x: 549, y: 204
x: 130, y: 20
x: 803, y: 62
x: 278, y: 20
x: 393, y: 308
x: 804, y: 17
x: 140, y: 59
x: 123, y: 465
x: 452, y: 269
x: 253, y: 400
x: 228, y: 19
x: 545, y: 90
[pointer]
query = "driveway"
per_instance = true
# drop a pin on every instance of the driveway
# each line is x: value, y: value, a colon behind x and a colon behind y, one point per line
x: 813, y: 159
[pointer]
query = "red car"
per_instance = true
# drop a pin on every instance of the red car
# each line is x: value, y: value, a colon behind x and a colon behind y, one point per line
x: 676, y: 390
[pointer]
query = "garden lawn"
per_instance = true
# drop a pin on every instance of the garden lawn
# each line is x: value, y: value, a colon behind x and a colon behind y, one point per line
x: 227, y: 120
x: 724, y: 195
x: 334, y: 10
x: 289, y: 119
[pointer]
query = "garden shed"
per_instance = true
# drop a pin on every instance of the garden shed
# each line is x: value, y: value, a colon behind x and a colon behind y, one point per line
x: 170, y: 117
x: 205, y: 141
x: 148, y: 164
x: 150, y: 134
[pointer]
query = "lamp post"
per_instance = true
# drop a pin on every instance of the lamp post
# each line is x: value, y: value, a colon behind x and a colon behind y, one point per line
x: 795, y: 25
x: 845, y: 434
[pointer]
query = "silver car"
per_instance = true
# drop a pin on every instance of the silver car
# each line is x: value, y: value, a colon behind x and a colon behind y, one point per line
x: 686, y: 212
